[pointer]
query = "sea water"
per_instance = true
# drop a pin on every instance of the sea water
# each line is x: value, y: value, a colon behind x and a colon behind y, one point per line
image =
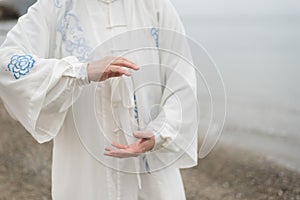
x: 259, y: 59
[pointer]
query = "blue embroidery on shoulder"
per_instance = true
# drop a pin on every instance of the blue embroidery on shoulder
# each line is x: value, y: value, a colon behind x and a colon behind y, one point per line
x: 20, y: 65
x: 155, y: 34
x: 58, y: 3
x: 72, y: 34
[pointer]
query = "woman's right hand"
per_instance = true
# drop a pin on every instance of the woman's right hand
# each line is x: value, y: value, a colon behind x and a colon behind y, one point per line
x: 109, y: 67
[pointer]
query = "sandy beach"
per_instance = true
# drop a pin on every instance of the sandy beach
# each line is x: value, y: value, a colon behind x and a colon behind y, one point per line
x: 227, y: 173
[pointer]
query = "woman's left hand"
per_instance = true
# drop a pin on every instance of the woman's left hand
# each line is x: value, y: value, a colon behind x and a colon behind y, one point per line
x: 145, y: 142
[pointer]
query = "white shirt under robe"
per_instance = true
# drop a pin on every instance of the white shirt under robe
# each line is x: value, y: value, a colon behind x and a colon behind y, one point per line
x: 44, y: 85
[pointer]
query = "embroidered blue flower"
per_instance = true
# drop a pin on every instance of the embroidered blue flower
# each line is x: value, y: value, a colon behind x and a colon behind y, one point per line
x: 72, y: 34
x: 20, y: 65
x: 155, y: 34
x: 57, y: 3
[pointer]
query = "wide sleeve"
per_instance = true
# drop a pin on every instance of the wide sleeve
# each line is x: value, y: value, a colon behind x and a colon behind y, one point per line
x: 35, y: 89
x: 176, y: 125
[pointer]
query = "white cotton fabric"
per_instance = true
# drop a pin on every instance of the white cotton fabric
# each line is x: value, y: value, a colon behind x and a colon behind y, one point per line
x: 55, y: 101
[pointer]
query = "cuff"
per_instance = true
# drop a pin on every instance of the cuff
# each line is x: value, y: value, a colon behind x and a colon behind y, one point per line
x: 78, y: 71
x: 159, y: 140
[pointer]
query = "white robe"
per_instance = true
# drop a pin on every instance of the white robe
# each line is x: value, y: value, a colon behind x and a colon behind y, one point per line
x: 44, y: 85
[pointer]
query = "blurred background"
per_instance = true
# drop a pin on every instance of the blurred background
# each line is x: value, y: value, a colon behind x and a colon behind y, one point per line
x: 256, y: 46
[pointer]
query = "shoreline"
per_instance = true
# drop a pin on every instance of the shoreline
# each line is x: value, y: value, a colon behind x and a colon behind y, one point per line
x: 279, y: 149
x: 232, y: 173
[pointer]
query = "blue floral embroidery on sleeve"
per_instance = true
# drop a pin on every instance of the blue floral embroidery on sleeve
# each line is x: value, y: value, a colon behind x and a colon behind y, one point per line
x: 20, y: 65
x: 155, y: 34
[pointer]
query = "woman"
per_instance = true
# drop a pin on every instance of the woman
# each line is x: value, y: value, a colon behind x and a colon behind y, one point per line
x: 49, y: 63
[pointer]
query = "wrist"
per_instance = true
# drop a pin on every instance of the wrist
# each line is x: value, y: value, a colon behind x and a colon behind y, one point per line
x: 78, y: 71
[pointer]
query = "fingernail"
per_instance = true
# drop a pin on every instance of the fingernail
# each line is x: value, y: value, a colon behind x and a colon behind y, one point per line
x: 135, y: 66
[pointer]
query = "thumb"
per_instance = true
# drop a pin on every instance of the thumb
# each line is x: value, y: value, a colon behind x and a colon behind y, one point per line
x: 143, y: 134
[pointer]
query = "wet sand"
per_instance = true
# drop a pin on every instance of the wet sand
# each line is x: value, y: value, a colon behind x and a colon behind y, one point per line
x: 227, y: 173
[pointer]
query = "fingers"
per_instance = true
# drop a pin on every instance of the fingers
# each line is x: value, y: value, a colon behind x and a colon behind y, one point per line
x: 124, y: 63
x: 143, y: 134
x: 109, y: 67
x: 118, y: 71
x: 119, y: 153
x: 119, y: 146
x: 122, y: 151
